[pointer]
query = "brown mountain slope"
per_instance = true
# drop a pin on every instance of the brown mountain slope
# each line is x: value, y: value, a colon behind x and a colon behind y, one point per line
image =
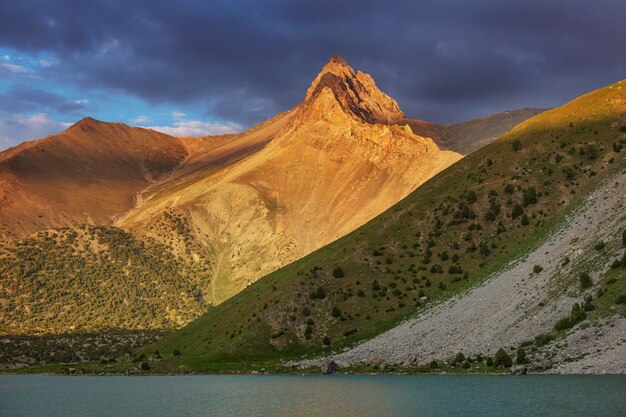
x: 469, y: 136
x: 93, y: 171
x: 86, y: 174
x: 335, y: 163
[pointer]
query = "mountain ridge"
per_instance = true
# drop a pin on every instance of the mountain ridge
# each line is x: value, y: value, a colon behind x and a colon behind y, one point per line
x: 229, y: 208
x: 465, y: 224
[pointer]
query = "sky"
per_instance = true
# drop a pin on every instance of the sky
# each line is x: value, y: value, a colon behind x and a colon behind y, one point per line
x: 210, y: 67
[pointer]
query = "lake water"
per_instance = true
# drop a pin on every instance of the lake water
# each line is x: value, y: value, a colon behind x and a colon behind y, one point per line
x: 337, y: 395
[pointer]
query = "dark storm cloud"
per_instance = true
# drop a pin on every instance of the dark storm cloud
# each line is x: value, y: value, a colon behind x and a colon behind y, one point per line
x: 22, y: 98
x: 244, y: 61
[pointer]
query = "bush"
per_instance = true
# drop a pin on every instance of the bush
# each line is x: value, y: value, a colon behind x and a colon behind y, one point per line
x: 489, y: 362
x: 591, y: 151
x: 562, y: 324
x: 326, y: 341
x: 375, y: 286
x: 460, y: 357
x: 484, y: 249
x: 620, y: 299
x: 306, y: 312
x: 624, y: 237
x: 502, y: 359
x: 336, y: 312
x: 145, y: 366
x: 537, y: 269
x: 338, y: 272
x: 320, y: 293
x: 544, y: 339
x: 493, y: 210
x: 518, y: 210
x: 585, y: 281
x: 521, y: 356
x: 177, y: 353
x: 529, y: 196
x: 599, y: 246
x: 525, y: 220
x: 517, y: 145
x: 308, y: 331
x: 470, y: 196
x: 577, y: 315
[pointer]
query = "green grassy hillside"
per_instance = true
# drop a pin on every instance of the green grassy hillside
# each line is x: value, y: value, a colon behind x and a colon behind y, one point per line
x: 450, y: 234
x: 91, y: 278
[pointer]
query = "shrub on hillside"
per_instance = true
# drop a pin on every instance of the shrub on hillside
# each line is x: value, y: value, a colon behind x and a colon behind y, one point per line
x: 338, y: 272
x: 460, y: 357
x: 529, y: 196
x: 591, y: 151
x: 470, y: 196
x: 502, y: 359
x: 577, y: 315
x: 544, y: 339
x: 517, y: 211
x: 562, y: 324
x: 585, y: 281
x: 517, y: 145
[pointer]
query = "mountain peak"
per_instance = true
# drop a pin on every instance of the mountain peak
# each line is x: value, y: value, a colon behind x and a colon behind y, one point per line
x: 355, y: 92
x: 336, y: 64
x: 338, y: 59
x: 86, y: 122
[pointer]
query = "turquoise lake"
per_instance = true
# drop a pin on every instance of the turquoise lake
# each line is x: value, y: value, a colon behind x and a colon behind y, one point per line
x: 336, y: 395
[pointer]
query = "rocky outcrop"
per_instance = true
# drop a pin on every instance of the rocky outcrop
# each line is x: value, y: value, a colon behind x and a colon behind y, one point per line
x: 519, y: 370
x: 328, y: 366
x: 356, y: 93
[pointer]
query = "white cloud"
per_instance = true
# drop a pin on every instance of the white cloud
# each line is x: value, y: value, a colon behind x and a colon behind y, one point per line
x: 16, y: 128
x: 48, y: 62
x: 177, y: 115
x: 15, y: 69
x: 141, y: 120
x: 197, y: 128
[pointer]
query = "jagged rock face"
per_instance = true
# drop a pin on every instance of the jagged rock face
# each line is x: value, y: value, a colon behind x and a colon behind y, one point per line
x: 334, y: 163
x: 356, y: 94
